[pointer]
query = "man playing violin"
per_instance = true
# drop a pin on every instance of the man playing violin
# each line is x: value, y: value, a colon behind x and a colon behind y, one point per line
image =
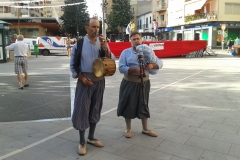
x: 132, y: 94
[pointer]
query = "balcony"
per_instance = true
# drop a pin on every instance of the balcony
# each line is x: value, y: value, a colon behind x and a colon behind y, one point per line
x: 209, y: 16
x: 161, y: 8
x: 23, y: 11
x: 9, y: 15
x: 162, y: 24
x: 35, y: 13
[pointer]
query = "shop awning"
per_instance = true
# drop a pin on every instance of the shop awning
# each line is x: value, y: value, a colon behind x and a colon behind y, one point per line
x: 167, y: 29
x: 191, y: 7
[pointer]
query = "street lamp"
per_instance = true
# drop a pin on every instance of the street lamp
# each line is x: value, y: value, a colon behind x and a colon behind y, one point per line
x: 104, y: 5
x: 223, y: 27
x: 77, y: 22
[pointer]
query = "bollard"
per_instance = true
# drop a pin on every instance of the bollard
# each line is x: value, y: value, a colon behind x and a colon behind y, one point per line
x: 36, y: 49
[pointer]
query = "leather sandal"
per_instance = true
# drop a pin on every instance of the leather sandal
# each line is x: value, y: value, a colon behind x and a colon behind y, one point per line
x: 128, y: 133
x: 150, y: 133
x: 95, y: 142
x: 26, y: 85
x: 82, y: 149
x: 20, y: 88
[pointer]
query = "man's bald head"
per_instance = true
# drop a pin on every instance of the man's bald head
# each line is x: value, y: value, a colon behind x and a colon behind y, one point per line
x: 20, y: 37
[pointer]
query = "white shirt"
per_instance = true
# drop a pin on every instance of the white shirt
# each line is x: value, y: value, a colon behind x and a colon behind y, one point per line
x: 20, y: 48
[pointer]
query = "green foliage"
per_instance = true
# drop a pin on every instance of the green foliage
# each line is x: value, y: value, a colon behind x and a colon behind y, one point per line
x: 74, y: 18
x: 189, y: 18
x: 120, y: 15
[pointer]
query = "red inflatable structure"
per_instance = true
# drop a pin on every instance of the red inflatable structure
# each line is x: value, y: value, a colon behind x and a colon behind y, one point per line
x: 164, y: 48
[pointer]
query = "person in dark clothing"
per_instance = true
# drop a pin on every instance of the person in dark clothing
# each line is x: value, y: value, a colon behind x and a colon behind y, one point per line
x: 230, y: 44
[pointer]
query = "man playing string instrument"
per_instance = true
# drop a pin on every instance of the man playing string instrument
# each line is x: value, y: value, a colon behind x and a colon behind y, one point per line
x: 130, y: 103
x: 89, y: 91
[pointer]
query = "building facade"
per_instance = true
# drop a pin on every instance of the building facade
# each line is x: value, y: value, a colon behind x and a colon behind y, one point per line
x: 202, y: 20
x: 40, y: 20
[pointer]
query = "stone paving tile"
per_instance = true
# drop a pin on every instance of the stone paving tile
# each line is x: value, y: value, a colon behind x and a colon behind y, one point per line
x: 112, y: 122
x: 141, y: 153
x: 232, y: 122
x: 52, y: 143
x: 195, y: 131
x: 177, y: 113
x: 210, y: 155
x: 186, y: 121
x: 226, y: 137
x: 106, y: 156
x: 157, y: 105
x: 36, y: 154
x: 209, y: 144
x: 220, y: 127
x: 180, y: 150
x: 110, y: 132
x: 72, y: 135
x: 9, y: 144
x: 65, y: 123
x: 178, y: 158
x: 235, y: 150
x: 68, y: 158
x: 114, y: 146
x: 10, y: 158
x: 159, y: 116
x: 159, y: 124
x: 142, y: 140
x: 32, y: 138
x: 172, y: 135
x: 45, y: 127
x: 196, y: 109
x: 207, y: 118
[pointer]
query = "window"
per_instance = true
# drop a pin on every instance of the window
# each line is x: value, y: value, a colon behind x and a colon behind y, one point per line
x: 140, y: 24
x: 146, y: 22
x: 162, y: 17
x: 150, y: 20
x: 232, y: 8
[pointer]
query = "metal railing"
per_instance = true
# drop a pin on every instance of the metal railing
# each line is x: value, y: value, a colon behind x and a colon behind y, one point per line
x: 144, y: 26
x: 162, y: 24
x: 161, y: 7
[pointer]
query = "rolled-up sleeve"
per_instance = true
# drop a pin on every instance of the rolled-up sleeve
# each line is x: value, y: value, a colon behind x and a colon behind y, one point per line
x: 74, y: 73
x: 159, y: 64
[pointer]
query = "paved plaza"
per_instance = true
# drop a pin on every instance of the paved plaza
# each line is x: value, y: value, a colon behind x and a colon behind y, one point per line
x: 194, y: 109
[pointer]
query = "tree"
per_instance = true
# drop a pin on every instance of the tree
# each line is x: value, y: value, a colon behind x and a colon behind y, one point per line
x: 74, y: 17
x: 120, y: 15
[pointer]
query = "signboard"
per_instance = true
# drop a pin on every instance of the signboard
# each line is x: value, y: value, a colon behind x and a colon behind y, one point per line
x: 156, y: 46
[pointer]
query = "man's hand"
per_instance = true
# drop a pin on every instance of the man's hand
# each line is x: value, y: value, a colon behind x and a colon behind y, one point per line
x: 85, y: 80
x: 103, y: 41
x: 149, y: 67
x: 104, y: 45
x: 134, y: 70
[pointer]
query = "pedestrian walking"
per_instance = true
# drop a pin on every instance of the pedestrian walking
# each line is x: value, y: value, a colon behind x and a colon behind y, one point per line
x: 20, y: 60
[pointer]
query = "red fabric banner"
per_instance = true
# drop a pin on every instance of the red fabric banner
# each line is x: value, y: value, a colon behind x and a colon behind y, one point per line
x: 168, y: 48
